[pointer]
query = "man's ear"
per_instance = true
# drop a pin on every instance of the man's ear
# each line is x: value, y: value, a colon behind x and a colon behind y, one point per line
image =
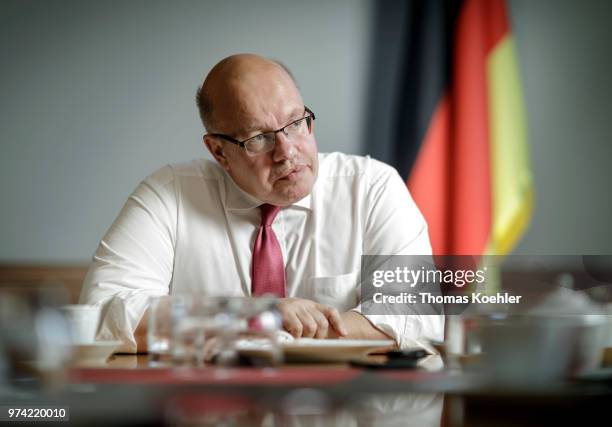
x: 216, y: 149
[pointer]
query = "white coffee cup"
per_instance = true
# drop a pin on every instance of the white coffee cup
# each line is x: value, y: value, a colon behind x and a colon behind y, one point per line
x: 83, y: 320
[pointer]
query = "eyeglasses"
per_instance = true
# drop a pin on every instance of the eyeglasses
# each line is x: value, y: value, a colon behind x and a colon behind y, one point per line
x: 264, y: 142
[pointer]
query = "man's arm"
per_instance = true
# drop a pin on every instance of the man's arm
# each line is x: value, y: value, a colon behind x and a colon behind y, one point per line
x: 395, y: 226
x: 134, y: 261
x: 140, y: 334
x: 358, y: 327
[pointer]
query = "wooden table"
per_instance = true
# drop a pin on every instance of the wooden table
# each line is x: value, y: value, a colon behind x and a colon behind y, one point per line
x: 135, y: 369
x: 126, y: 391
x: 345, y: 394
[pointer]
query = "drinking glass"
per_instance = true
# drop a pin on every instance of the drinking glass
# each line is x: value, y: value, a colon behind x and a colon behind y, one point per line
x: 159, y: 331
x: 226, y: 331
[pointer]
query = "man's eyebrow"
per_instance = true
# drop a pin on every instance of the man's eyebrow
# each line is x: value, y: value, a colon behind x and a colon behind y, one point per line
x: 247, y: 129
x: 295, y: 114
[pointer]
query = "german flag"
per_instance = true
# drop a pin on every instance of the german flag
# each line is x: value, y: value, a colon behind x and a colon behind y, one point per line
x: 461, y: 137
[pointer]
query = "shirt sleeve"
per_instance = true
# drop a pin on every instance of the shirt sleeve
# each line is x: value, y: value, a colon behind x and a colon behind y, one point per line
x: 395, y: 226
x: 134, y: 260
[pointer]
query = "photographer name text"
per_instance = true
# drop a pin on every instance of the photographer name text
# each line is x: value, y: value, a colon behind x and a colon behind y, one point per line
x: 428, y: 298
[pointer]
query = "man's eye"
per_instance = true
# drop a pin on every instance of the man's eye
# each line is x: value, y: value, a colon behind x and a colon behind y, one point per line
x: 257, y: 143
x: 297, y: 124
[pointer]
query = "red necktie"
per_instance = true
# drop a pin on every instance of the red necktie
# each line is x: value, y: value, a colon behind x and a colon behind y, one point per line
x: 268, y: 269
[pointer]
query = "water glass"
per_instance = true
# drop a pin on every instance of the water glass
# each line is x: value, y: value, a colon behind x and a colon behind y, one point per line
x: 159, y: 331
x: 226, y: 331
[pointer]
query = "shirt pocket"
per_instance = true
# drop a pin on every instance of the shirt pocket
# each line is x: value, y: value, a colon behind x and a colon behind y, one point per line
x: 341, y: 292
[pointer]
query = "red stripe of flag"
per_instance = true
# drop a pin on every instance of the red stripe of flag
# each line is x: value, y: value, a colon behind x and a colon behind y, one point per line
x: 451, y: 177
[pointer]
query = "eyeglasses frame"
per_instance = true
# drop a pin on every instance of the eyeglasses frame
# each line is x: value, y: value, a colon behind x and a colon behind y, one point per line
x: 308, y: 114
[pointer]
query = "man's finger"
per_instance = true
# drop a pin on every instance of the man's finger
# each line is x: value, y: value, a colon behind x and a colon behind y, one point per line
x: 335, y: 320
x: 322, y: 324
x: 211, y: 348
x: 292, y: 324
x: 309, y: 326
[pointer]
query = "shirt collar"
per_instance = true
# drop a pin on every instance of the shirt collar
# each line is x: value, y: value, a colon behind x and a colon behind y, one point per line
x: 306, y: 202
x: 237, y: 199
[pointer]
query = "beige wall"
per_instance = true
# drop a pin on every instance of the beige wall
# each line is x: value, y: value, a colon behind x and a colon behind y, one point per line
x: 96, y: 95
x: 564, y: 48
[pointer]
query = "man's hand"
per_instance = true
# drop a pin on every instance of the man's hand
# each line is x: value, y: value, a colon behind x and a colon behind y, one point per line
x: 360, y: 328
x: 140, y: 334
x: 309, y: 319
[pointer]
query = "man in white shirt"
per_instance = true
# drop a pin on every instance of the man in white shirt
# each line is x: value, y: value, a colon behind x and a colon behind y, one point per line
x: 197, y: 226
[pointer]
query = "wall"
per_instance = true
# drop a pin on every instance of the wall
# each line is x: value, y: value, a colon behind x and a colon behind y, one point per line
x: 96, y: 95
x: 564, y: 51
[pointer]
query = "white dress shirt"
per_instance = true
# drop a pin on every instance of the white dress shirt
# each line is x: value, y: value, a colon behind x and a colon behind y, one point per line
x: 190, y: 227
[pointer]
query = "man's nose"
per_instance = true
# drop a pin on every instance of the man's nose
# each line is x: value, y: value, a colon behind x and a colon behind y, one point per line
x: 283, y: 149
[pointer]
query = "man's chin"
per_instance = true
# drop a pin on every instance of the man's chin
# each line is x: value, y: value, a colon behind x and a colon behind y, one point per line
x: 291, y: 194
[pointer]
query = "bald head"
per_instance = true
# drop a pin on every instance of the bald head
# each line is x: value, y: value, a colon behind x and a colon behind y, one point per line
x: 236, y: 81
